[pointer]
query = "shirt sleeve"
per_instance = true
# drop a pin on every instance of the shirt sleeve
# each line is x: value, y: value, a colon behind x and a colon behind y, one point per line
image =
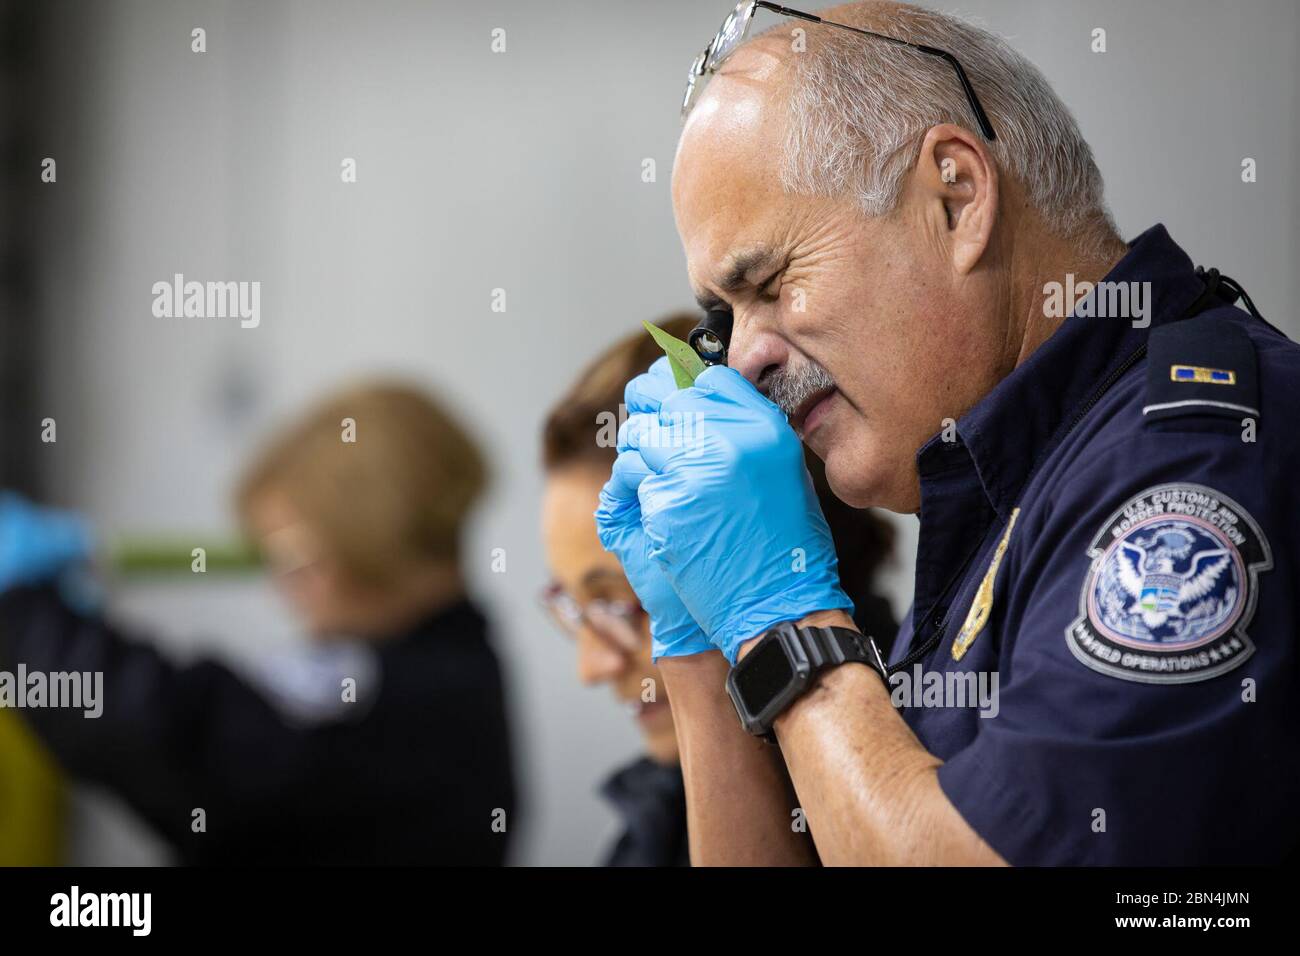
x: 168, y: 739
x: 1085, y: 765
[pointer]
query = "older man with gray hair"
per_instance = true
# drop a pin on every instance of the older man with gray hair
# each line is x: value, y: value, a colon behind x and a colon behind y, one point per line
x: 899, y: 236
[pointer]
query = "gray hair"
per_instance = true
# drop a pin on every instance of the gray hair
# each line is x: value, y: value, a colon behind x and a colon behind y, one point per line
x: 860, y: 108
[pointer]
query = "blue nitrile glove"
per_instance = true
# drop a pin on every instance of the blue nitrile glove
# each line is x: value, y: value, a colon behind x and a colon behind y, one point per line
x: 673, y: 632
x: 730, y: 511
x: 38, y: 544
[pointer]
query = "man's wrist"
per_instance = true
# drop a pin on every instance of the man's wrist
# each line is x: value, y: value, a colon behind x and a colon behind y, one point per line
x: 836, y: 617
x: 834, y: 690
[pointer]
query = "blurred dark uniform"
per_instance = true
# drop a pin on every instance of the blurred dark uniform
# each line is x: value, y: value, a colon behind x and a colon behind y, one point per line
x: 650, y: 797
x: 864, y: 545
x: 416, y: 769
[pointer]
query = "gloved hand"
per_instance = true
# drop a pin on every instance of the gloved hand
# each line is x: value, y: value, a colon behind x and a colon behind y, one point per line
x: 38, y: 544
x: 729, y: 509
x: 673, y: 632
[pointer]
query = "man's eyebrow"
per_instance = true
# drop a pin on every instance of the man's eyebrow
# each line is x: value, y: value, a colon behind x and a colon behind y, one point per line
x: 736, y: 275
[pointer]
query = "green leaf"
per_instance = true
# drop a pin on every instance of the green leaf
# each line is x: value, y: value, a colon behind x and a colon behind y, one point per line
x: 683, y: 360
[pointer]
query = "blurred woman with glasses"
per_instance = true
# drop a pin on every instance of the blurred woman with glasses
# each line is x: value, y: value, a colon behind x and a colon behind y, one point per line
x: 592, y: 602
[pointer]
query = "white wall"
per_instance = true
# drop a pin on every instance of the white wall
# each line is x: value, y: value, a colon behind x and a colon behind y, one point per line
x: 519, y: 170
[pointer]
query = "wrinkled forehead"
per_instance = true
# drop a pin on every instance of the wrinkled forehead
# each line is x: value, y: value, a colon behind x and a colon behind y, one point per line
x: 726, y: 177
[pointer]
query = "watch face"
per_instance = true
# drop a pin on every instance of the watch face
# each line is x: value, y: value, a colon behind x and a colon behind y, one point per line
x: 765, y: 673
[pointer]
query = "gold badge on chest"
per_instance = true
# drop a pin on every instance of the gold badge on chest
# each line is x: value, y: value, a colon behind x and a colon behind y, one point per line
x: 982, y: 606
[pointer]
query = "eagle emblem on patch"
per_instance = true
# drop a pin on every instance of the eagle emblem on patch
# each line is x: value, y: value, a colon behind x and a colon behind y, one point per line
x: 1171, y: 587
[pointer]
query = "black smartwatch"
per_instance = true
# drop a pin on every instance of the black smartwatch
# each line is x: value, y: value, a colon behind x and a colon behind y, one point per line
x: 784, y: 664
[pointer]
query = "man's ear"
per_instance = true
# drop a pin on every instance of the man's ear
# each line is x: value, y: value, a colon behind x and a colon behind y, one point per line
x: 957, y: 178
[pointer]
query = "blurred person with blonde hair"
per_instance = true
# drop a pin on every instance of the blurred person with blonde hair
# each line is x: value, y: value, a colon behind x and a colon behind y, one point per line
x: 384, y: 740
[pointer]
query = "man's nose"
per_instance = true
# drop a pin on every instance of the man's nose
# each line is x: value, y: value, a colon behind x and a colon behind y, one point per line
x: 598, y: 662
x: 754, y: 349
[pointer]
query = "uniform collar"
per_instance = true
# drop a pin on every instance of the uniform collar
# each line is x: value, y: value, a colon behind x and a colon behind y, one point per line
x: 1015, y: 424
x: 458, y: 614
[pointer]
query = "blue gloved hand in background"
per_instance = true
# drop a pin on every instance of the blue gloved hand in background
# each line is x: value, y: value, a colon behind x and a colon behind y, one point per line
x: 38, y: 544
x: 673, y: 632
x: 729, y: 510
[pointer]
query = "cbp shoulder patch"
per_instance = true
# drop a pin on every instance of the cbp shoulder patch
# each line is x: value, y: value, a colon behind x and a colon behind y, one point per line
x: 1171, y: 587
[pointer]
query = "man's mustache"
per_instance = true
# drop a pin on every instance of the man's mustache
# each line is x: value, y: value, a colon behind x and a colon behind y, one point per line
x: 790, y: 387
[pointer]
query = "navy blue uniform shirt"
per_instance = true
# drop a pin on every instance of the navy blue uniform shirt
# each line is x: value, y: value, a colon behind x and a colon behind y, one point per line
x: 1112, y: 534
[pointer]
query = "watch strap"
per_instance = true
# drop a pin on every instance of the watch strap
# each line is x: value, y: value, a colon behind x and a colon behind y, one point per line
x: 829, y: 647
x: 810, y: 651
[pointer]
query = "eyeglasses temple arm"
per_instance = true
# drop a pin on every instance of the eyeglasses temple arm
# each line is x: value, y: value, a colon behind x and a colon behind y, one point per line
x: 797, y: 14
x: 977, y: 108
x: 981, y: 117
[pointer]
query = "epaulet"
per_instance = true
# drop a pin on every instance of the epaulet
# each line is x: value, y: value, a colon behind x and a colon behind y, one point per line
x: 1201, y: 366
